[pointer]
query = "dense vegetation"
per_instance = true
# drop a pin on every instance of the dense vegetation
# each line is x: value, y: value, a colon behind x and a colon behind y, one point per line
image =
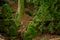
x: 7, y: 23
x: 46, y: 18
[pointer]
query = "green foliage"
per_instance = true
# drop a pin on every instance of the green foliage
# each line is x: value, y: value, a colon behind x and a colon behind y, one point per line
x: 7, y: 23
x: 28, y: 1
x: 28, y: 12
x: 30, y: 31
x: 6, y: 11
x: 46, y: 18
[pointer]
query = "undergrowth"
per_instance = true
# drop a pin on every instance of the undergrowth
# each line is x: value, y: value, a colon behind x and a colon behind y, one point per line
x: 7, y: 23
x: 46, y: 18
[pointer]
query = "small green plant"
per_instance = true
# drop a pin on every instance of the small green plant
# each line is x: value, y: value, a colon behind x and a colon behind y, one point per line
x: 7, y: 22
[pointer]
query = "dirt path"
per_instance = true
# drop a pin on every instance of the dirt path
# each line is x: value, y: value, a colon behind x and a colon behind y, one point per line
x: 25, y: 20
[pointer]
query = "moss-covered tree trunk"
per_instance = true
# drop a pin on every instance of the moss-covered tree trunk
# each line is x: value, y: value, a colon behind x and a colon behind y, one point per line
x: 19, y: 12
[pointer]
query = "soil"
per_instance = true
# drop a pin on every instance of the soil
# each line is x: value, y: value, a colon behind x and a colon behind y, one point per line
x: 25, y: 20
x: 48, y: 36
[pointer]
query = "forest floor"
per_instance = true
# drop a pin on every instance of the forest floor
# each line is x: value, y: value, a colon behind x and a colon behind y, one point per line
x: 25, y: 20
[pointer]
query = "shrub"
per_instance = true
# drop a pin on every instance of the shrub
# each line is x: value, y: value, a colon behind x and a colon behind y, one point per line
x: 46, y: 18
x: 7, y: 23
